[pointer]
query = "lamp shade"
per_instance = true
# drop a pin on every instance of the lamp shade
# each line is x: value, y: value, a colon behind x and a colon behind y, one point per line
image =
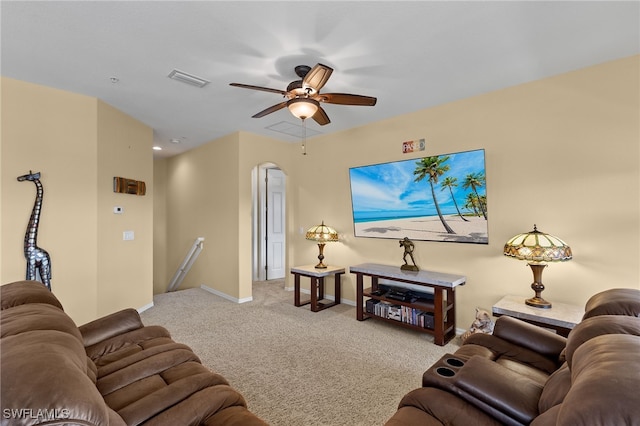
x: 536, y: 246
x: 303, y: 107
x: 322, y: 233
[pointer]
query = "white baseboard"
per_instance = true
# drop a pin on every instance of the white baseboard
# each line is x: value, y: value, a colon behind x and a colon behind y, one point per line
x: 145, y: 307
x: 225, y: 296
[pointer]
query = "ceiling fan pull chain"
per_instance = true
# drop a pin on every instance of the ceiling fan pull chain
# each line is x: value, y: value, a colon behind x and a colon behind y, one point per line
x: 304, y: 137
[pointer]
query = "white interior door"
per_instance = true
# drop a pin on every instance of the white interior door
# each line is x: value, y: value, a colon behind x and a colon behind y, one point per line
x: 275, y: 224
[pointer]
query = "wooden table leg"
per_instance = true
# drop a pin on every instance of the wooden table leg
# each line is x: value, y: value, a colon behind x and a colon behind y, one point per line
x: 438, y: 317
x: 296, y: 290
x: 337, y: 291
x: 320, y: 288
x: 451, y: 313
x: 359, y: 302
x: 314, y: 293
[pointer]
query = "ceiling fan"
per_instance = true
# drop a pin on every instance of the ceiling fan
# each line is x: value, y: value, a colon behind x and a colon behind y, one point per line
x: 304, y: 97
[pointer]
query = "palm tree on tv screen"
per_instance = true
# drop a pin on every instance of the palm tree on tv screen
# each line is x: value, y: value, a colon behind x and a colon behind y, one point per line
x: 452, y: 182
x: 433, y: 167
x: 471, y: 203
x: 475, y: 181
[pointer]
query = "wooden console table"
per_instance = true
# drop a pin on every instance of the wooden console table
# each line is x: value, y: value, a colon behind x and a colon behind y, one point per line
x: 317, y: 285
x: 443, y: 304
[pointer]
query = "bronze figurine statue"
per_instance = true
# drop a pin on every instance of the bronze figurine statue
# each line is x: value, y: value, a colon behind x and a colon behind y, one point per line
x: 408, y: 251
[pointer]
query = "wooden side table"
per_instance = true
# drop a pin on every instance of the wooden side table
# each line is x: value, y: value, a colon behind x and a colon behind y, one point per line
x: 317, y: 285
x: 560, y: 317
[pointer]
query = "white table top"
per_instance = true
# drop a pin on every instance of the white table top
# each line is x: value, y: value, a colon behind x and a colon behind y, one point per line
x: 559, y: 315
x: 425, y: 277
x: 311, y: 270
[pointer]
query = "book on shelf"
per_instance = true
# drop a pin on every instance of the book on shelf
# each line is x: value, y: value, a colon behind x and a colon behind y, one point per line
x: 370, y: 305
x: 395, y: 312
x: 401, y: 313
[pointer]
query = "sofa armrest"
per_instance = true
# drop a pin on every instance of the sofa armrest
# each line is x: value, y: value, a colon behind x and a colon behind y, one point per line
x: 430, y: 406
x: 499, y: 391
x: 529, y: 336
x: 110, y: 326
x: 26, y: 292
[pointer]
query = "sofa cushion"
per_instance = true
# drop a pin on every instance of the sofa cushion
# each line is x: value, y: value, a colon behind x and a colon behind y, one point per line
x: 616, y: 301
x: 605, y: 376
x: 555, y: 389
x: 504, y: 348
x: 109, y: 326
x: 24, y: 292
x: 126, y: 344
x: 597, y: 326
x: 525, y: 370
x: 45, y: 372
x: 468, y: 350
x: 438, y: 407
x: 36, y: 316
x: 148, y: 366
x: 501, y: 392
x: 159, y: 394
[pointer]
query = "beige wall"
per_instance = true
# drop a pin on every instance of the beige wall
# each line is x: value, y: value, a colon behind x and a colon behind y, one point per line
x: 562, y: 153
x: 209, y: 195
x: 160, y: 244
x: 125, y: 268
x: 78, y: 144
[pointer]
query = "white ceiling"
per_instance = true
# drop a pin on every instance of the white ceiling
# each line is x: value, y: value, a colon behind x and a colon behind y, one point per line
x: 410, y: 55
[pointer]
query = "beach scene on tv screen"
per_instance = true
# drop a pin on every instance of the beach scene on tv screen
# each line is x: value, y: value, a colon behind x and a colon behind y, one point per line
x: 431, y: 198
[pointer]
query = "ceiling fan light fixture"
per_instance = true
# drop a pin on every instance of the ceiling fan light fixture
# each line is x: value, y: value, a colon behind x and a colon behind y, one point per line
x: 303, y: 108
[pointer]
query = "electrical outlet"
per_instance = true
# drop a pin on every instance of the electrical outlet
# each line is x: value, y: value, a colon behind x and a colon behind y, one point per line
x: 128, y: 235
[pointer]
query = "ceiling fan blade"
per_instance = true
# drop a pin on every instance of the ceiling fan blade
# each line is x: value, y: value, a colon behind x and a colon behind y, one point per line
x: 345, y: 99
x: 317, y: 77
x: 264, y: 89
x: 321, y: 117
x: 271, y: 109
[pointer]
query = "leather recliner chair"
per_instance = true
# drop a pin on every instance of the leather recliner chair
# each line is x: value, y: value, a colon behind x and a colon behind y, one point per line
x: 523, y: 374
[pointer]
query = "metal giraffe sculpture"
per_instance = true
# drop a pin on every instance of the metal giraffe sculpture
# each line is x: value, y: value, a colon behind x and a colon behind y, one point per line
x: 38, y: 260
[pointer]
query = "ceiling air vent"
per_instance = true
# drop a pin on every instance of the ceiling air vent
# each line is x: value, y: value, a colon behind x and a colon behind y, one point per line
x: 188, y: 78
x: 292, y: 129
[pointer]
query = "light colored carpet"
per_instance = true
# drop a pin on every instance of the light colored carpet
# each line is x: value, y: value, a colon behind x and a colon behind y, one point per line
x: 296, y: 367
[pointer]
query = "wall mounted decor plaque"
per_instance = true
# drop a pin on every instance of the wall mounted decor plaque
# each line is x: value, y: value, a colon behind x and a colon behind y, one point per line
x: 129, y: 186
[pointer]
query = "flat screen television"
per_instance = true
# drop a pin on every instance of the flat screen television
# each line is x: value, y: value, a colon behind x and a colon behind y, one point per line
x: 433, y: 198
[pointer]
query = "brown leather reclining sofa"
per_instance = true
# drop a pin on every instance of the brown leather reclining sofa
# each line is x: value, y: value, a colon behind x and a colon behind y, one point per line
x: 112, y: 371
x: 526, y: 375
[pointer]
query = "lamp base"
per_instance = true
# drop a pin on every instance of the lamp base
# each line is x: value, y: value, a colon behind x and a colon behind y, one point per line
x: 538, y: 302
x: 321, y: 264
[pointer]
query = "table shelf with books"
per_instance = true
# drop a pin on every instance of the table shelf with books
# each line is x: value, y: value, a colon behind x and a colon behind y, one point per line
x: 429, y: 309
